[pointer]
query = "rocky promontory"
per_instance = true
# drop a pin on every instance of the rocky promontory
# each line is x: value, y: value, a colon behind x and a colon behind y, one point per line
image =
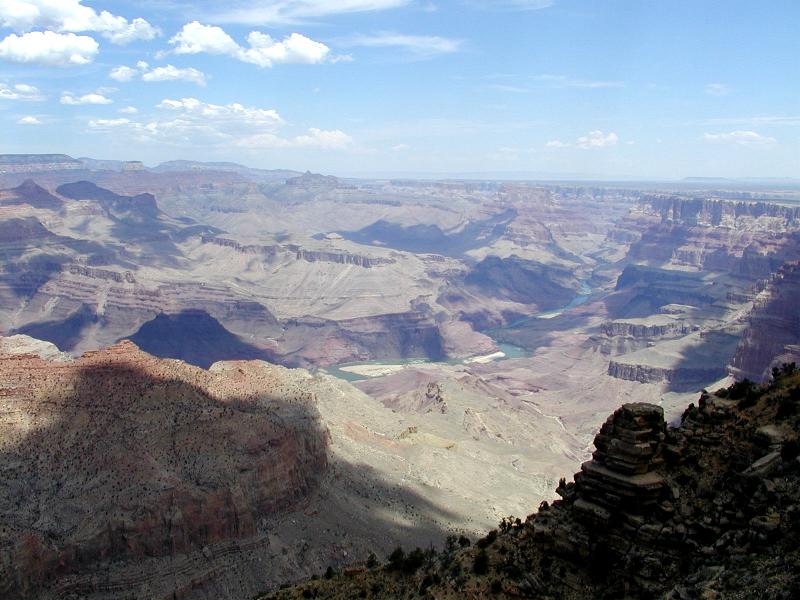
x: 709, y: 509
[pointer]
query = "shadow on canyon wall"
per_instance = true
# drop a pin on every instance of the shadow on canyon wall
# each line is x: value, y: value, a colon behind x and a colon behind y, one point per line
x: 133, y: 482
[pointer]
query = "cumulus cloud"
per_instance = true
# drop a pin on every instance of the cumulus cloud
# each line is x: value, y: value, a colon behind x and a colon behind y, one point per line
x: 262, y: 50
x: 192, y: 121
x: 29, y: 121
x: 740, y: 138
x: 108, y: 123
x: 420, y: 46
x: 556, y: 144
x: 129, y: 110
x: 170, y: 73
x: 94, y: 98
x: 49, y: 49
x: 20, y: 91
x: 71, y: 16
x: 123, y: 74
x: 292, y: 11
x: 167, y: 73
x: 597, y: 139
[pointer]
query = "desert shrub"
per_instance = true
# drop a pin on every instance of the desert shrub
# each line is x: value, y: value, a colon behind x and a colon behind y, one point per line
x: 790, y: 450
x: 488, y: 540
x: 396, y: 559
x: 787, y: 406
x: 480, y: 565
x: 414, y: 560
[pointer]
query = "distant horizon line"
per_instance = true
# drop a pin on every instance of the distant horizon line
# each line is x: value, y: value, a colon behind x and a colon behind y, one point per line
x: 511, y: 175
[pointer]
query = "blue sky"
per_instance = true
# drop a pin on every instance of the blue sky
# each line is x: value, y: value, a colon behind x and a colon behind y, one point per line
x: 602, y: 88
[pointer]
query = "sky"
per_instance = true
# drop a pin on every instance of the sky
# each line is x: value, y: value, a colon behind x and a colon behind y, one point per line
x: 614, y: 89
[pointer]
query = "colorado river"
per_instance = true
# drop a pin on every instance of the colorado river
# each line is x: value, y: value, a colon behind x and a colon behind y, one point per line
x: 508, y: 351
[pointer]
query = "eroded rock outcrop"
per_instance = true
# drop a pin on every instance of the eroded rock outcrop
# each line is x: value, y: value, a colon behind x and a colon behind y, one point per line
x: 118, y: 457
x: 773, y: 332
x: 651, y: 374
x: 710, y: 509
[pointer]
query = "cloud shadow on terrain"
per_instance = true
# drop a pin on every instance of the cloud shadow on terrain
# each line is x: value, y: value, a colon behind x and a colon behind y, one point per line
x: 129, y: 481
x: 195, y: 337
x: 431, y: 238
x: 64, y: 333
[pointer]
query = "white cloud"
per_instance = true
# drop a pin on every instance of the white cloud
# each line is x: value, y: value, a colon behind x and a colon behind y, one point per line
x: 717, y: 89
x: 597, y: 139
x: 292, y: 11
x: 740, y: 138
x: 123, y: 73
x: 71, y: 16
x: 593, y: 139
x: 94, y: 98
x: 20, y: 91
x: 108, y: 123
x: 401, y: 147
x: 167, y: 73
x: 263, y: 51
x: 421, y: 46
x: 195, y: 38
x: 49, y: 49
x: 129, y: 110
x: 29, y: 121
x: 319, y: 138
x: 297, y: 48
x: 192, y: 121
x: 170, y: 73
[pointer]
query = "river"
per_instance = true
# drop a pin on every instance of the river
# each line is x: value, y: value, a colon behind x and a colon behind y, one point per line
x: 509, y: 351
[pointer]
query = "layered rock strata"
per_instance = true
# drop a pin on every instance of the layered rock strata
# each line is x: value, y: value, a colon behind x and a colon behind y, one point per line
x: 118, y: 458
x: 773, y: 332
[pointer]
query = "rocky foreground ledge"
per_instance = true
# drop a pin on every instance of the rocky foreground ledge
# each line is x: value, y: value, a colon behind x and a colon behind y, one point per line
x: 710, y: 509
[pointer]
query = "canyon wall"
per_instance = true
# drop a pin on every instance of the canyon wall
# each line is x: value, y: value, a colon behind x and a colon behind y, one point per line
x: 119, y: 456
x: 772, y: 335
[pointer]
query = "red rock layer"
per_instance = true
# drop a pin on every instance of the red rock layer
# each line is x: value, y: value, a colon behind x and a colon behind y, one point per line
x: 120, y: 455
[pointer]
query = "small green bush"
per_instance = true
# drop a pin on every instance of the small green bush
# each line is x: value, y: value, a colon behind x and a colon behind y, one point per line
x: 481, y: 564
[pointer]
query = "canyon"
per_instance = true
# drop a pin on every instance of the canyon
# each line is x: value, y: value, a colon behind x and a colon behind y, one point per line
x: 364, y: 363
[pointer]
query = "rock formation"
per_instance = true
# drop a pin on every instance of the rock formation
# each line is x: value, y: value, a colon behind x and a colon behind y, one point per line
x: 34, y: 163
x: 710, y: 509
x: 119, y: 456
x: 773, y: 332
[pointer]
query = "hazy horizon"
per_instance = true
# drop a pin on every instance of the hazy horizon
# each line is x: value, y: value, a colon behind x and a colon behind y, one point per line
x: 550, y: 88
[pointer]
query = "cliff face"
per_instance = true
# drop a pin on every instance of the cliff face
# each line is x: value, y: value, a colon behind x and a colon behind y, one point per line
x: 121, y: 457
x: 34, y: 163
x: 650, y: 374
x: 273, y: 252
x: 773, y: 332
x: 710, y: 509
x: 725, y: 213
x: 750, y: 239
